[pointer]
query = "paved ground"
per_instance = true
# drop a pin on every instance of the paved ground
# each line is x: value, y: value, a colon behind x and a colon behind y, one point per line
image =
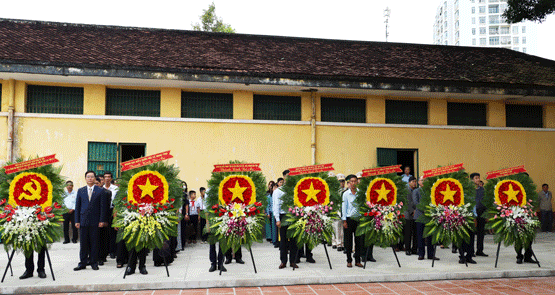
x: 544, y: 285
x: 190, y: 271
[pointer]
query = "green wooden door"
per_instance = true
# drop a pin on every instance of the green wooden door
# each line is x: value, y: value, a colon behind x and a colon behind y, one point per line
x: 103, y: 157
x: 387, y: 157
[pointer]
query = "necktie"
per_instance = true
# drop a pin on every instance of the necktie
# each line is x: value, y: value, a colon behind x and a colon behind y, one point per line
x: 90, y: 192
x: 193, y: 206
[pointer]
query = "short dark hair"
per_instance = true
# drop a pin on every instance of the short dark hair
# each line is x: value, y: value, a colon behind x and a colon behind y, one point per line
x: 285, y: 172
x: 474, y: 174
x: 68, y: 182
x: 98, y: 178
x: 412, y: 178
x: 350, y: 176
x: 108, y: 172
x: 192, y: 192
x: 279, y: 179
x: 90, y: 171
x: 545, y: 184
x: 201, y: 189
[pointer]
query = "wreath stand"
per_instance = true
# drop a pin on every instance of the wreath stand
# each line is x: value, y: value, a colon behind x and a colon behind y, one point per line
x: 325, y: 249
x: 499, y: 247
x: 368, y: 251
x: 131, y: 255
x: 10, y: 257
x: 252, y: 258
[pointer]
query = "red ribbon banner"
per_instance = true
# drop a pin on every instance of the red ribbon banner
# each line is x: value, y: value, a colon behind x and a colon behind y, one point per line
x: 381, y: 170
x: 34, y: 163
x: 505, y: 172
x: 310, y: 169
x: 140, y: 162
x: 236, y: 167
x: 443, y: 170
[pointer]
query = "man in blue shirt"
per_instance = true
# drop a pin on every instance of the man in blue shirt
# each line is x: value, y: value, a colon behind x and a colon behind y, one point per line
x: 69, y: 217
x: 349, y: 215
x: 285, y: 243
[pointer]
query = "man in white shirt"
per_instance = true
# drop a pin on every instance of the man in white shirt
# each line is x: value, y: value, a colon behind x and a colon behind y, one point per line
x: 285, y: 243
x: 407, y: 175
x: 349, y: 214
x: 69, y: 217
x: 112, y: 233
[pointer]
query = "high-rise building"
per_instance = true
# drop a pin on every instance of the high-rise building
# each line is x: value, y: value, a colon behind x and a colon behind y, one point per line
x: 480, y: 23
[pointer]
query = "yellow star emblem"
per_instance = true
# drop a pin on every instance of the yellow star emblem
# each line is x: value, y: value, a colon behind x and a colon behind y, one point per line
x: 448, y: 194
x: 311, y: 193
x: 147, y: 189
x: 237, y: 192
x: 382, y: 193
x: 511, y: 194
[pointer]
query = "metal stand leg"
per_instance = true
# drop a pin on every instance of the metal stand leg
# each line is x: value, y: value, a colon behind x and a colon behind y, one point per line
x: 10, y: 257
x: 11, y: 269
x: 252, y: 258
x: 534, y: 254
x: 327, y: 255
x: 433, y: 260
x: 129, y: 262
x: 166, y: 265
x: 50, y: 263
x: 296, y: 254
x: 497, y: 256
x: 366, y: 257
x: 395, y: 253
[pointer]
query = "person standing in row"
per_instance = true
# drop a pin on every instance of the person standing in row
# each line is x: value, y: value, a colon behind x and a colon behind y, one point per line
x: 546, y: 207
x: 286, y: 245
x: 337, y: 239
x: 348, y: 215
x: 69, y: 217
x: 410, y: 224
x: 480, y: 221
x: 112, y: 233
x: 423, y: 243
x: 90, y: 215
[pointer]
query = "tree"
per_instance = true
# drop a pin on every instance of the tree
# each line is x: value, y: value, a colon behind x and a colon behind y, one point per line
x: 210, y: 22
x: 533, y: 10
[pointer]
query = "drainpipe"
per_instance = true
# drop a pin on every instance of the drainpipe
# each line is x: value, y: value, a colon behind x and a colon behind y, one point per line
x: 313, y: 123
x: 11, y: 111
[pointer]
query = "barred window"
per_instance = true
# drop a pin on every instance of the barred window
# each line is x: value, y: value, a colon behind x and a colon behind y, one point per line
x: 406, y: 112
x: 270, y: 107
x: 466, y: 114
x: 206, y: 105
x: 125, y: 102
x: 54, y: 99
x: 343, y: 110
x: 530, y: 116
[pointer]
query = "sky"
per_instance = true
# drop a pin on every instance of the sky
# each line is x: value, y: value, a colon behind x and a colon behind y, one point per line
x: 411, y: 21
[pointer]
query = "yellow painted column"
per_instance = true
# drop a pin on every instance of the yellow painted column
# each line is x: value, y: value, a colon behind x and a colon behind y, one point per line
x: 375, y: 110
x: 306, y: 106
x: 94, y: 100
x: 20, y: 96
x: 496, y: 114
x: 242, y: 105
x: 549, y: 116
x: 170, y: 102
x: 437, y: 112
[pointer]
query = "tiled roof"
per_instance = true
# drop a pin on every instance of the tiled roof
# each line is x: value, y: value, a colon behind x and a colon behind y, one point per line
x: 108, y: 47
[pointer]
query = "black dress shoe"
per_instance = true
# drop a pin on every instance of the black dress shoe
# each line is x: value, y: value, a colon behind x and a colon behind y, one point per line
x: 129, y: 271
x: 94, y: 267
x: 101, y: 262
x: 240, y: 261
x: 222, y: 268
x: 340, y: 249
x: 519, y: 261
x: 121, y: 265
x: 227, y: 261
x: 420, y: 257
x: 454, y: 250
x: 414, y: 252
x: 276, y: 246
x: 471, y: 261
x: 409, y: 253
x: 143, y: 271
x: 112, y: 256
x: 75, y: 242
x: 461, y: 261
x: 294, y: 265
x: 310, y: 260
x: 42, y: 274
x: 212, y: 268
x: 26, y: 275
x: 482, y: 254
x: 66, y: 242
x: 371, y: 259
x: 334, y: 247
x: 79, y: 267
x: 530, y: 260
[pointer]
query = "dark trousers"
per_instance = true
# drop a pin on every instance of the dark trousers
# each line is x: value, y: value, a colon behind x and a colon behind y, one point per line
x: 275, y: 232
x: 480, y: 232
x: 410, y: 235
x: 203, y: 234
x: 527, y: 253
x: 349, y: 233
x: 122, y: 255
x: 112, y: 233
x: 238, y: 255
x: 30, y: 266
x: 304, y: 251
x: 142, y: 259
x: 89, y: 245
x: 547, y: 220
x: 465, y: 251
x: 183, y: 233
x: 424, y: 242
x: 216, y: 260
x: 103, y: 243
x: 286, y: 244
x: 193, y: 219
x: 70, y: 218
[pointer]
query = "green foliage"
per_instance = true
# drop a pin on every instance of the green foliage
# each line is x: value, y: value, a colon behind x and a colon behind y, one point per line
x: 136, y: 239
x: 533, y: 10
x: 54, y: 230
x: 291, y: 182
x: 210, y: 22
x: 439, y: 234
x: 503, y: 232
x: 366, y: 227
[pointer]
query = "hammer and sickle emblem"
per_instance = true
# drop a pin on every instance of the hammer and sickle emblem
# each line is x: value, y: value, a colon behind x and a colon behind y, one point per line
x: 35, y: 193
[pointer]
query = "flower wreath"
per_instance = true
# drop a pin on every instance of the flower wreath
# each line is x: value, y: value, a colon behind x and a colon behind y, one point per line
x: 147, y: 206
x: 510, y: 203
x: 448, y: 203
x: 311, y: 202
x: 380, y: 201
x: 31, y: 208
x: 237, y: 204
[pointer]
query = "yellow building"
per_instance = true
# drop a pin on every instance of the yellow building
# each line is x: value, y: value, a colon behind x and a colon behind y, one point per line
x: 98, y: 95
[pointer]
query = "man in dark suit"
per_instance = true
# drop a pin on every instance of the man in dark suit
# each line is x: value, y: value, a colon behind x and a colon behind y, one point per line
x: 90, y: 214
